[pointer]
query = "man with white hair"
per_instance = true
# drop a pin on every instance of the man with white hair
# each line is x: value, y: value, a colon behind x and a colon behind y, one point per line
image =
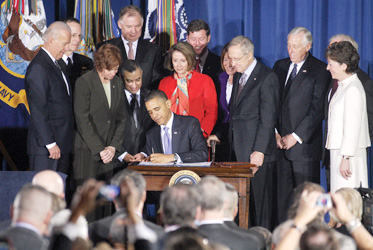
x: 31, y: 213
x: 132, y: 47
x: 304, y: 81
x: 50, y: 133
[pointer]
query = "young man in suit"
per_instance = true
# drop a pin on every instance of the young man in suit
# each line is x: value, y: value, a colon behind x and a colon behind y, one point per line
x: 198, y: 35
x: 147, y: 54
x: 138, y: 121
x: 175, y: 138
x: 303, y: 84
x: 49, y: 94
x: 74, y: 64
x: 253, y: 107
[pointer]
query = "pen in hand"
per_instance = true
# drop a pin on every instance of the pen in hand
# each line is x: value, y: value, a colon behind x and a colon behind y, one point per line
x: 152, y: 150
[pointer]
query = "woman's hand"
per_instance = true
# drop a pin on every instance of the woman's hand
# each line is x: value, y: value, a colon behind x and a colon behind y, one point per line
x: 344, y: 169
x: 107, y: 154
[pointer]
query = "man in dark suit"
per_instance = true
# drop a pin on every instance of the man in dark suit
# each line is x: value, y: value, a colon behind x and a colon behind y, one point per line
x: 213, y: 200
x: 198, y: 35
x: 99, y: 230
x: 74, y: 64
x: 176, y: 138
x: 138, y: 121
x: 147, y: 54
x: 31, y: 213
x: 254, y: 106
x: 231, y: 211
x: 50, y: 134
x: 303, y: 84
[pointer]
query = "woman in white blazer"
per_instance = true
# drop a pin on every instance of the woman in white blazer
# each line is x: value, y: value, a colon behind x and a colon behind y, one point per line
x: 348, y: 135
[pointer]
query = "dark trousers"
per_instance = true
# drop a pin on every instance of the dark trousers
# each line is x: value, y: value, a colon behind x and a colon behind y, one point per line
x: 43, y: 162
x: 291, y: 174
x: 262, y: 198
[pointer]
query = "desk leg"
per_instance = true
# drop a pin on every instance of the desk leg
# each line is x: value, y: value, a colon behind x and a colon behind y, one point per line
x: 243, y: 201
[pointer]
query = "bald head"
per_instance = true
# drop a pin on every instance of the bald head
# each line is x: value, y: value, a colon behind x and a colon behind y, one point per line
x: 33, y: 205
x: 51, y: 181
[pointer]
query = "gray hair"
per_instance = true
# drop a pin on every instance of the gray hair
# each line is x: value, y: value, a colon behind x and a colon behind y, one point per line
x: 344, y: 37
x: 54, y: 30
x: 245, y: 43
x: 213, y: 193
x: 179, y: 203
x: 307, y: 38
x: 137, y: 178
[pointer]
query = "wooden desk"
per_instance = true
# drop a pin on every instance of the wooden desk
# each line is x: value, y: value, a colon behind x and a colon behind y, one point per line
x: 238, y: 174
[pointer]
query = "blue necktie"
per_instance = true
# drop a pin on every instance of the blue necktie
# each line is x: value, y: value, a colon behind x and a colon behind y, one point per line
x: 290, y: 80
x: 293, y: 72
x: 167, y: 144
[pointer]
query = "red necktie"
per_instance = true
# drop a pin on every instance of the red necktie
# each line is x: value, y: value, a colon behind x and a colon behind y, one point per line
x: 198, y: 69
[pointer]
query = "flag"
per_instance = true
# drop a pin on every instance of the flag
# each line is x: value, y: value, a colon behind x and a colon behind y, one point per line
x: 166, y: 22
x: 96, y: 18
x: 21, y: 27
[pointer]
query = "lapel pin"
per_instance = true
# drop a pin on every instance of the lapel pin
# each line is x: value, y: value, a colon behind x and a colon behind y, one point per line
x: 175, y: 133
x: 254, y: 79
x: 304, y: 71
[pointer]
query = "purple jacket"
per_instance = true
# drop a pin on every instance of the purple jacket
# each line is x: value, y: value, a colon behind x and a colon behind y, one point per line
x: 223, y: 78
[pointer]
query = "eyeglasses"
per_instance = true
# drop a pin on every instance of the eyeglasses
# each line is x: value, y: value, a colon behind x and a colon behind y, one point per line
x: 237, y: 59
x: 77, y: 36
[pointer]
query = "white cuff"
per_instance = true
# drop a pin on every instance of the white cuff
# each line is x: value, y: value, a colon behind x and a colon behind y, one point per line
x: 299, y: 140
x: 178, y: 159
x: 49, y: 146
x: 121, y: 157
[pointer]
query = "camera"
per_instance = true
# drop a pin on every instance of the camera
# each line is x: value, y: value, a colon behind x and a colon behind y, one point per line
x: 108, y: 192
x: 324, y: 200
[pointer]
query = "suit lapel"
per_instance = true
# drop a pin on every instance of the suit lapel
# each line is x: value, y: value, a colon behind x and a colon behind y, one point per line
x: 143, y: 111
x: 176, y: 134
x: 236, y: 79
x: 101, y: 92
x: 56, y: 70
x: 114, y: 96
x: 158, y: 140
x: 299, y: 78
x: 120, y: 45
x: 251, y: 81
x: 140, y: 52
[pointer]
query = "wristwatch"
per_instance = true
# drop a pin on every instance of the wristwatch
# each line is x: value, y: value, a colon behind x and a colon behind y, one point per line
x: 346, y: 157
x: 175, y: 158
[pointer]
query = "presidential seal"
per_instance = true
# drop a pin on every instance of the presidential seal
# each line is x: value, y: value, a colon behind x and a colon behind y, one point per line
x: 185, y: 177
